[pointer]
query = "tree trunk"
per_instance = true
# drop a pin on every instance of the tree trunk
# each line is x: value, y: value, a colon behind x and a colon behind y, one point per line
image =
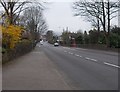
x: 108, y: 43
x: 98, y: 30
x: 104, y: 25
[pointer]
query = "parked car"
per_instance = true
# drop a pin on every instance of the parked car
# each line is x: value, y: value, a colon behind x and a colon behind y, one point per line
x: 56, y: 44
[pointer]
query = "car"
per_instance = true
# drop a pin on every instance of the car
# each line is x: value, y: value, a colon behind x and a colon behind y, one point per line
x: 56, y: 44
x: 41, y: 42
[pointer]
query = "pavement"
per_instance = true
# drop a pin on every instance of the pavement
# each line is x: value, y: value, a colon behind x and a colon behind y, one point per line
x: 33, y: 71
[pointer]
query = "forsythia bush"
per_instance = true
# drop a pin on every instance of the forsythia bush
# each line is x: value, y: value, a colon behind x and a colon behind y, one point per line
x: 11, y: 35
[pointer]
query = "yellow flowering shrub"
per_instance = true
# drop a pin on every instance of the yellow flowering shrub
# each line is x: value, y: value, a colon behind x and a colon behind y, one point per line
x: 11, y: 35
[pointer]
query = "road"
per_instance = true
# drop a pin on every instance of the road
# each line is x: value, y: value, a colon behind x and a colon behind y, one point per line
x: 76, y: 69
x: 86, y: 69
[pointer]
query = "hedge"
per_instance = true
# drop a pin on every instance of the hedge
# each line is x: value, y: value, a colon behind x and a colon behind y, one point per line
x: 20, y: 49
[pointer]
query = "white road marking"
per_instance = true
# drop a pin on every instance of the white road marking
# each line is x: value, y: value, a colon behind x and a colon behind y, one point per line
x: 71, y: 53
x: 80, y: 56
x: 66, y: 48
x: 93, y: 60
x: 111, y: 65
x: 77, y: 55
x: 87, y: 58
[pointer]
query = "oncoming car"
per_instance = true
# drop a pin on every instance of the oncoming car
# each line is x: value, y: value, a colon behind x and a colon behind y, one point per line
x: 41, y: 42
x: 56, y: 44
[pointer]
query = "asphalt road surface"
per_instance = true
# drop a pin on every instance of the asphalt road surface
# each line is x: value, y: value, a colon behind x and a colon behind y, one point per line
x: 85, y: 69
x: 77, y: 69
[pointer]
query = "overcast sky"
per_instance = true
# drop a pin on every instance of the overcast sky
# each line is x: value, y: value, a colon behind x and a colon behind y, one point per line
x: 59, y: 15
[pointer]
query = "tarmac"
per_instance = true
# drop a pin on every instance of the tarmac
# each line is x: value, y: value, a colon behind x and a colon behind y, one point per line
x: 33, y: 71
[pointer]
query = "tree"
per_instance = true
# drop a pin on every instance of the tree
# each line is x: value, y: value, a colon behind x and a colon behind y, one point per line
x: 42, y: 27
x: 86, y: 38
x: 13, y: 8
x: 66, y: 37
x: 79, y: 37
x: 11, y: 36
x: 93, y: 36
x: 49, y: 36
x: 115, y: 37
x: 103, y: 11
x: 90, y: 10
x: 35, y: 23
x: 115, y: 30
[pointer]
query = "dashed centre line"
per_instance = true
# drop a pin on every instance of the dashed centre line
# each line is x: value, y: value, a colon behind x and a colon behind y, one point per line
x: 77, y: 55
x: 81, y: 56
x: 93, y: 60
x: 87, y: 58
x: 111, y: 65
x: 70, y: 53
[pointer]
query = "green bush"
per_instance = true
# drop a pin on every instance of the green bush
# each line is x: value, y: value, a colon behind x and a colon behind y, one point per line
x: 114, y: 40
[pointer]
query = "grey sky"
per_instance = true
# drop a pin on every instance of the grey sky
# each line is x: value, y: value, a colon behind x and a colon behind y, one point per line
x: 59, y: 15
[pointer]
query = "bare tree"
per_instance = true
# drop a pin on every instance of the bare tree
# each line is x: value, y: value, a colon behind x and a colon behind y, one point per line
x: 102, y: 12
x: 42, y: 27
x: 35, y: 23
x: 119, y: 16
x: 13, y: 8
